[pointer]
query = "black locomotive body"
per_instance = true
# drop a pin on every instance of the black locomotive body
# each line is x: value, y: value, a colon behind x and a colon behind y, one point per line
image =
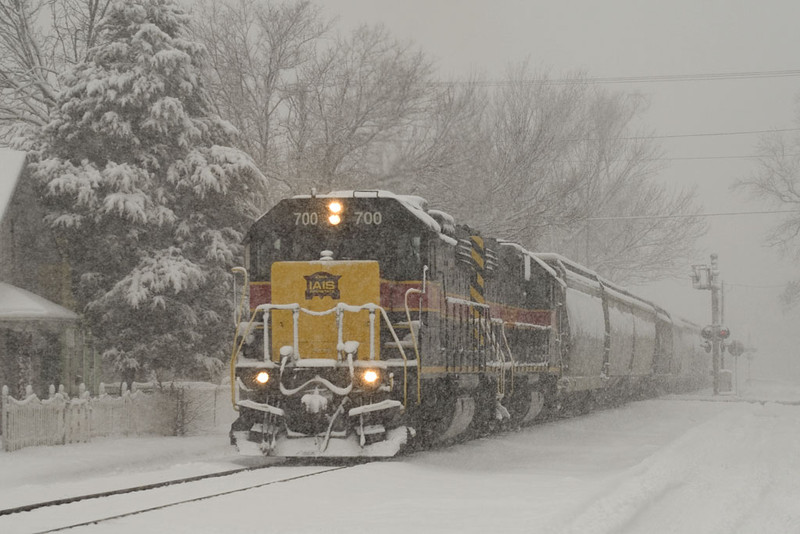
x: 375, y: 322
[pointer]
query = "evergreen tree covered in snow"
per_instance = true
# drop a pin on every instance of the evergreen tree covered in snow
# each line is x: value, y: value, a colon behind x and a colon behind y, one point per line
x: 148, y: 196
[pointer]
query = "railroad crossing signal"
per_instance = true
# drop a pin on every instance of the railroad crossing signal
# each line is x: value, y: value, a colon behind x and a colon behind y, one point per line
x: 715, y: 332
x: 707, y: 277
x: 736, y: 348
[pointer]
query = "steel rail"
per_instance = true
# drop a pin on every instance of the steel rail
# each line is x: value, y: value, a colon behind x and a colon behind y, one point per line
x: 162, y: 506
x: 123, y: 491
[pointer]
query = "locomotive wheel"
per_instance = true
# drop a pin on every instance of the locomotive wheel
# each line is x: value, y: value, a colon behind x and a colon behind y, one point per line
x: 433, y: 416
x: 526, y: 404
x: 486, y: 409
x: 445, y: 415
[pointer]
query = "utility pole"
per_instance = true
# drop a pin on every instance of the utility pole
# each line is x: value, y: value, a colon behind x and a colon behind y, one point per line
x: 716, y: 342
x: 707, y: 277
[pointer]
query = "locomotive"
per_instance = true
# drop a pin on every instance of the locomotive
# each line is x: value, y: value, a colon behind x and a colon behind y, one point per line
x: 369, y: 322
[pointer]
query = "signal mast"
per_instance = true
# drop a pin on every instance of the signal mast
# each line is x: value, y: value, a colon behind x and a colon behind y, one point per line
x: 707, y: 277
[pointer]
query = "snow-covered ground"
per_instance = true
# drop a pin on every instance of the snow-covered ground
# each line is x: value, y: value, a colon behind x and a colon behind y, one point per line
x: 686, y: 464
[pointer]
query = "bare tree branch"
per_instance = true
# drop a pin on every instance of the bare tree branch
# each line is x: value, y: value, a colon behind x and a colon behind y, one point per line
x: 353, y: 100
x: 255, y: 51
x: 543, y: 160
x: 39, y: 41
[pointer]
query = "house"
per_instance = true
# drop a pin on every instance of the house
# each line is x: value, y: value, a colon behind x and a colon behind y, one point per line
x: 41, y: 339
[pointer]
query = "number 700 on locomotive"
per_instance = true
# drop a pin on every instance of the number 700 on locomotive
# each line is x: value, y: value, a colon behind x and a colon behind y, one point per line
x: 369, y: 322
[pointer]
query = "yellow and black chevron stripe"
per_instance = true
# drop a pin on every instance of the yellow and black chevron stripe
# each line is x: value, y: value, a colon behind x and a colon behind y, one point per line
x: 477, y: 284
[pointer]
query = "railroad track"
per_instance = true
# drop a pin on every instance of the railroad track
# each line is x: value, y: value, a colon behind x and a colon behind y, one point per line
x: 122, y: 491
x: 731, y: 399
x: 73, y: 512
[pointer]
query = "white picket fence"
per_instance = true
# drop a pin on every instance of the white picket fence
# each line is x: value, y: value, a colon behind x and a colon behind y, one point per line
x: 51, y: 421
x: 163, y: 411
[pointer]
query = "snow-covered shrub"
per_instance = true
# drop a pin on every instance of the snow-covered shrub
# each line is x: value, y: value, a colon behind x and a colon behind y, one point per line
x: 148, y: 199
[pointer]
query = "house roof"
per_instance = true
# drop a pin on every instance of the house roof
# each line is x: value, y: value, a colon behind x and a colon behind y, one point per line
x: 19, y: 305
x: 11, y: 165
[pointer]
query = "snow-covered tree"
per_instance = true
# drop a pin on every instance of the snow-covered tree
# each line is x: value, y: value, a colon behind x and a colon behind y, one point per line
x: 148, y: 196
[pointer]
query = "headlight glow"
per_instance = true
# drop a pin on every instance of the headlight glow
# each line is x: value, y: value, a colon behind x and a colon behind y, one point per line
x: 262, y: 377
x: 370, y: 376
x: 335, y: 209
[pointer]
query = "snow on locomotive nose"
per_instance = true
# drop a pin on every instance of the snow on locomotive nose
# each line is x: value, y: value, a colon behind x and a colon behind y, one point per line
x: 331, y: 396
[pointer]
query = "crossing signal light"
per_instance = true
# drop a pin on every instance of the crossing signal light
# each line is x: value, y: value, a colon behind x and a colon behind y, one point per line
x: 711, y: 332
x: 707, y: 332
x: 736, y: 348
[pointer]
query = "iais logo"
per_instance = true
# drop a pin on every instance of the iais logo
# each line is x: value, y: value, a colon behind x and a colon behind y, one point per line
x: 322, y: 285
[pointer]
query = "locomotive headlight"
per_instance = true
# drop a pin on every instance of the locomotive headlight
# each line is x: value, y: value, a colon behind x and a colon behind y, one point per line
x: 335, y: 209
x: 370, y: 377
x: 262, y: 377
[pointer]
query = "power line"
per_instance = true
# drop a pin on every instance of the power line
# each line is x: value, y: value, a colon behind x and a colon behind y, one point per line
x: 689, y: 158
x: 752, y: 286
x: 689, y: 216
x: 700, y: 134
x: 679, y: 158
x: 711, y: 134
x: 706, y: 76
x: 661, y: 78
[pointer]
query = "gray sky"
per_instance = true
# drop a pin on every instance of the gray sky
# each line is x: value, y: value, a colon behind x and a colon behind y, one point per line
x: 623, y: 38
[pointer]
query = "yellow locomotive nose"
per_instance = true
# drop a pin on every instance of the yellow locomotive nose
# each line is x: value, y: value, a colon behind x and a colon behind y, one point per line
x: 319, y: 287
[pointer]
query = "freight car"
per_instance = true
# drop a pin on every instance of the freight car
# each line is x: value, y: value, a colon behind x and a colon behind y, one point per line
x: 369, y: 322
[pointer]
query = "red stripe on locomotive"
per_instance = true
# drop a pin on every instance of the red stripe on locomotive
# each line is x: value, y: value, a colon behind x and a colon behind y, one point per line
x: 393, y: 295
x: 521, y: 315
x: 260, y: 293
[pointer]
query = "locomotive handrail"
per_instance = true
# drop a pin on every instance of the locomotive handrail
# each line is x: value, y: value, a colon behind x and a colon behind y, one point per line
x: 414, y: 340
x: 465, y: 302
x: 532, y: 326
x: 501, y: 386
x: 319, y: 380
x: 237, y: 349
x: 339, y: 309
x: 405, y: 359
x: 237, y: 314
x: 239, y: 310
x: 482, y: 323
